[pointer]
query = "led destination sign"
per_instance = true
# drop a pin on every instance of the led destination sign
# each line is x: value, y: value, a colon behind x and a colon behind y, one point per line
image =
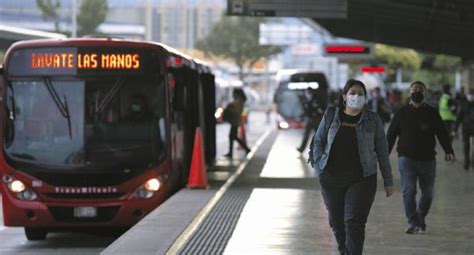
x: 84, y: 61
x: 77, y: 61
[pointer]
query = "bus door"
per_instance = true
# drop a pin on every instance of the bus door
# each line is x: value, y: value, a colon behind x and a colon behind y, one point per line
x: 191, y: 111
x: 208, y: 89
x: 177, y: 105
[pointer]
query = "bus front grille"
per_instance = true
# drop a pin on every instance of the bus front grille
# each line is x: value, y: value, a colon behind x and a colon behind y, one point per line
x: 87, y: 196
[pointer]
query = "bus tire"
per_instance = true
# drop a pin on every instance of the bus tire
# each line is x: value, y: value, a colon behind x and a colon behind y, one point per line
x: 35, y: 234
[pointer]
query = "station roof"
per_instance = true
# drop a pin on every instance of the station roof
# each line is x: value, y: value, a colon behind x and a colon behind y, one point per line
x: 438, y: 26
x: 9, y: 35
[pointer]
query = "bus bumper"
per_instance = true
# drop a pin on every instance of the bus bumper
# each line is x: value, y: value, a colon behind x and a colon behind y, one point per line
x: 61, y: 214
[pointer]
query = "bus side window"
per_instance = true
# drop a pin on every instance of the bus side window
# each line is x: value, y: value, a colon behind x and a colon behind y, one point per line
x: 178, y: 94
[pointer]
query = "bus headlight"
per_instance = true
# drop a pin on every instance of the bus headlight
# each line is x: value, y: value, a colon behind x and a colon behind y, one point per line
x: 283, y: 125
x: 17, y: 186
x: 147, y: 189
x: 28, y: 195
x: 21, y: 191
x: 152, y: 185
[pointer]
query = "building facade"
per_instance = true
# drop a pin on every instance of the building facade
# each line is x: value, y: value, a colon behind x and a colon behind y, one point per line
x: 179, y: 23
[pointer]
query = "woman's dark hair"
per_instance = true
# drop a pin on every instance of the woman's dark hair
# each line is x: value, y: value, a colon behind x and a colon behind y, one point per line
x: 240, y: 93
x: 349, y: 84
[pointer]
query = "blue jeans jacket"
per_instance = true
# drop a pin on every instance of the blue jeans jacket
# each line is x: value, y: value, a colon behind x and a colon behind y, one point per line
x: 371, y: 139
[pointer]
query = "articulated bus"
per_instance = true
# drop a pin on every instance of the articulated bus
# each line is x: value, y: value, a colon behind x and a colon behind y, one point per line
x: 97, y: 132
x: 289, y: 95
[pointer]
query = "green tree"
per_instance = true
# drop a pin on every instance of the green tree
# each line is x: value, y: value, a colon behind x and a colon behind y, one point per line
x: 92, y: 13
x: 50, y: 10
x: 395, y: 57
x: 437, y: 69
x: 236, y: 38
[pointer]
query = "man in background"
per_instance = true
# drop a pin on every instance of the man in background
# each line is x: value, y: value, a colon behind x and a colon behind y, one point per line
x: 416, y: 126
x: 313, y: 111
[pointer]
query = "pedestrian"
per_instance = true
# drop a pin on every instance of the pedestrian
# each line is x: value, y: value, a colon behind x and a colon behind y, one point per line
x: 416, y: 125
x: 380, y: 105
x: 313, y: 110
x: 233, y: 115
x: 349, y: 142
x: 447, y: 110
x: 466, y: 118
x: 461, y: 103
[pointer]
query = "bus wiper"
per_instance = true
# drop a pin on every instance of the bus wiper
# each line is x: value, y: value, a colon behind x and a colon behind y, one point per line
x: 23, y: 156
x: 62, y: 106
x: 109, y: 96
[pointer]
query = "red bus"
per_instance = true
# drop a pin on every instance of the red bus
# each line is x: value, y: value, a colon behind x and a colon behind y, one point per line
x: 97, y: 132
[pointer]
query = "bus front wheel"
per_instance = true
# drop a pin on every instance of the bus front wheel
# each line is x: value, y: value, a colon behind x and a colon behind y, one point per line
x: 35, y: 234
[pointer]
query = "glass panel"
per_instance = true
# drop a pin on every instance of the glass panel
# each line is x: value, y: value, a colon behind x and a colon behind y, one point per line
x: 41, y: 132
x: 85, y: 124
x: 290, y: 104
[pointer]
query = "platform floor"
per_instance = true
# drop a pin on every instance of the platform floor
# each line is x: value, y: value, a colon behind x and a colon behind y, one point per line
x: 285, y: 213
x: 274, y: 206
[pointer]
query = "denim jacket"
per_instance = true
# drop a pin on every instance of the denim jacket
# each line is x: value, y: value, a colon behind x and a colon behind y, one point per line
x: 371, y: 139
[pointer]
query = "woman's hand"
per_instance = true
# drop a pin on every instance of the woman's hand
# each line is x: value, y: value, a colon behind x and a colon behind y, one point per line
x: 389, y: 190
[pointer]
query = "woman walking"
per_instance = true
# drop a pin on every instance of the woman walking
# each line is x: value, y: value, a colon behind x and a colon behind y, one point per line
x: 348, y: 143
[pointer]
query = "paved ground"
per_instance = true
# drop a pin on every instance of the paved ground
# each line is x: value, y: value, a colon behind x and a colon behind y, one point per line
x: 286, y: 214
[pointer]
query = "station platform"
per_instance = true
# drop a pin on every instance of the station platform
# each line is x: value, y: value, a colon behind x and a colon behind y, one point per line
x: 271, y: 203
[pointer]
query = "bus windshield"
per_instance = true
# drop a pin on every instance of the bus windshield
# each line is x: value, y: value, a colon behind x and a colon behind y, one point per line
x: 84, y: 124
x: 291, y: 93
x: 290, y: 104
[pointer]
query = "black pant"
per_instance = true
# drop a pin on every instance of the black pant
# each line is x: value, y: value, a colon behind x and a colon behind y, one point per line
x: 466, y: 138
x: 311, y: 124
x: 233, y: 136
x: 348, y: 204
x: 450, y: 128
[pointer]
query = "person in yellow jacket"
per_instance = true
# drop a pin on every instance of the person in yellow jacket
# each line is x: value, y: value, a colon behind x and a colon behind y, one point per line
x: 447, y: 109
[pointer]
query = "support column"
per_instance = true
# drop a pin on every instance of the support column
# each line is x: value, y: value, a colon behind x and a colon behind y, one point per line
x: 399, y: 77
x: 467, y: 76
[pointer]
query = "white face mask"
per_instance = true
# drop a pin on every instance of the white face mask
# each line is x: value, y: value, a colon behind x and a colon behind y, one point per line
x: 355, y: 101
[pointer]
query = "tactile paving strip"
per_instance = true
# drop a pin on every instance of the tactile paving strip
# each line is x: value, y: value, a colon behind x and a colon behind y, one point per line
x: 212, y: 235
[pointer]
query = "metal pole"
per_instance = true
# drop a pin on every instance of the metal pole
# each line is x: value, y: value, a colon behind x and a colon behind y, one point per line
x: 74, y: 19
x: 457, y: 80
x: 190, y: 17
x: 148, y: 22
x: 399, y: 77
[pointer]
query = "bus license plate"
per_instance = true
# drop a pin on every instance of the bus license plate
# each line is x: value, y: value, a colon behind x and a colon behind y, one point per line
x: 85, y: 212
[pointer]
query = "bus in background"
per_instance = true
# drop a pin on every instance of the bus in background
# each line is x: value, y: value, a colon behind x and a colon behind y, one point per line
x: 289, y: 96
x: 97, y: 132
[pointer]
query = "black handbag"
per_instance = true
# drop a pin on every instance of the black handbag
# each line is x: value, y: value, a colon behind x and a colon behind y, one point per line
x: 227, y: 114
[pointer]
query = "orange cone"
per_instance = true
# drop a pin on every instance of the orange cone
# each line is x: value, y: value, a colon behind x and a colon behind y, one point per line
x: 198, y: 173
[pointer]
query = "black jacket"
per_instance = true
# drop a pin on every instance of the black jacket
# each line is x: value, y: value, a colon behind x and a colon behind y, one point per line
x: 416, y: 129
x: 466, y: 116
x: 313, y: 109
